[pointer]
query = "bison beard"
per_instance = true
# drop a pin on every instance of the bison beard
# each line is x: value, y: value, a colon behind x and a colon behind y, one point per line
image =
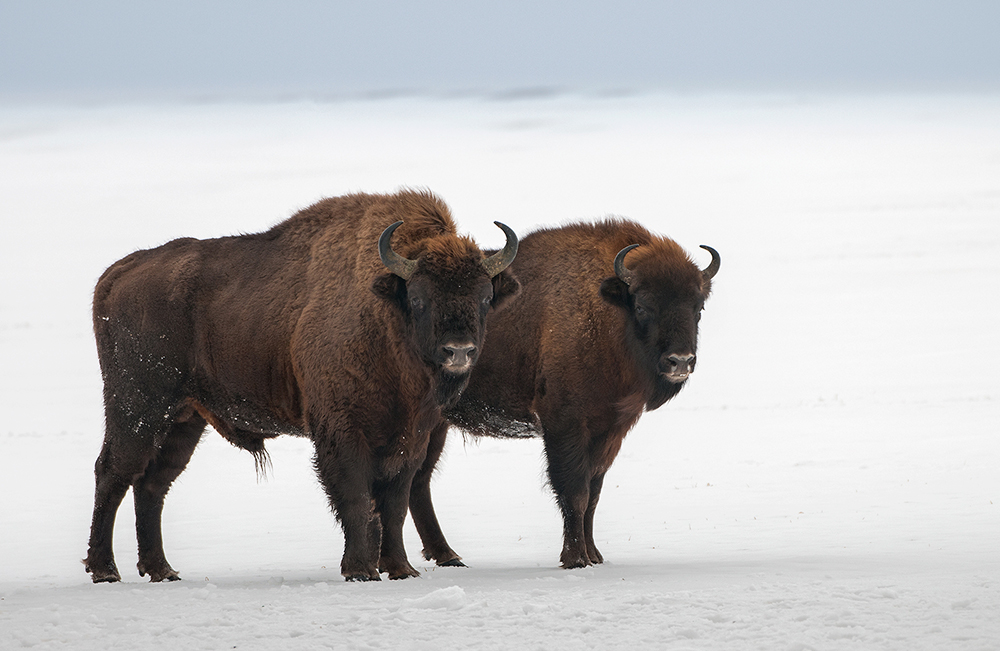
x: 599, y: 333
x: 298, y: 331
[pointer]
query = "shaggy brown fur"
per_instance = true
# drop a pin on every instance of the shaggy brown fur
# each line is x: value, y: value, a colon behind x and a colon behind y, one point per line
x: 576, y: 358
x: 297, y: 330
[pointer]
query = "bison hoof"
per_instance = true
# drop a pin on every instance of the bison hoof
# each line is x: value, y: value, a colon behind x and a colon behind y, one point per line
x: 574, y: 565
x: 163, y: 573
x: 447, y: 558
x: 398, y: 570
x: 574, y: 562
x: 359, y: 570
x: 107, y: 574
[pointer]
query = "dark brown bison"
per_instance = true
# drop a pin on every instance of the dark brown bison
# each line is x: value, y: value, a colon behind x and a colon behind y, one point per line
x: 296, y: 330
x: 605, y: 326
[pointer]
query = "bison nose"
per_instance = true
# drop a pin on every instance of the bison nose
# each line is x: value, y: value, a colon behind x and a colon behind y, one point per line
x: 458, y: 357
x: 677, y: 367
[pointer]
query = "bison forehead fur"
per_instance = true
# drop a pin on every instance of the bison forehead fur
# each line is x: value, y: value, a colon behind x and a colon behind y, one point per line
x: 663, y: 268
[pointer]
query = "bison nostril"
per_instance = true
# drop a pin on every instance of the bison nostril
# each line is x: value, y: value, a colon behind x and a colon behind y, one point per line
x: 676, y: 368
x: 677, y: 365
x: 458, y: 354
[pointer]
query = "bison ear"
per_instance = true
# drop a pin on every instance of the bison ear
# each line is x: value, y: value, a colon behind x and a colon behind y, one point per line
x: 505, y: 287
x: 390, y: 287
x: 614, y: 291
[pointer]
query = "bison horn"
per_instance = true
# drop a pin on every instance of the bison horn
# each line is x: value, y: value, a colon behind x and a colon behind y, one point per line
x: 396, y: 263
x: 713, y: 266
x: 502, y: 258
x: 620, y: 270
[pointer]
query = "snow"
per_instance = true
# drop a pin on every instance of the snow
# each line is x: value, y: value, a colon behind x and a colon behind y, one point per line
x: 827, y: 480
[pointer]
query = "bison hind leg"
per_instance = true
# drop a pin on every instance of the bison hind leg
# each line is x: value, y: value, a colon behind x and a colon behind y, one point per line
x: 436, y: 547
x: 150, y: 490
x: 122, y: 458
x: 588, y: 519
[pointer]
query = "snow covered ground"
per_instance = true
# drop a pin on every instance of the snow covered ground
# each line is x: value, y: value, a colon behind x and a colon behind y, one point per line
x: 828, y: 480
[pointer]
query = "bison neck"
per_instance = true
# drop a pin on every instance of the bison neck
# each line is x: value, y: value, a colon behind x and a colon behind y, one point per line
x: 448, y: 388
x: 662, y: 392
x: 658, y: 389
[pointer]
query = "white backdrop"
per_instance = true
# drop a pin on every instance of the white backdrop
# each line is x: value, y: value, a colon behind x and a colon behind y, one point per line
x: 827, y: 479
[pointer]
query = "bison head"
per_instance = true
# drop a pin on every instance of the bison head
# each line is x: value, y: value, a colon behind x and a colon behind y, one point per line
x: 663, y: 294
x: 444, y: 296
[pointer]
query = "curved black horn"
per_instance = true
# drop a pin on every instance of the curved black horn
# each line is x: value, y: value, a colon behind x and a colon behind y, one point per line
x: 620, y: 270
x: 713, y: 266
x: 502, y: 258
x: 396, y: 263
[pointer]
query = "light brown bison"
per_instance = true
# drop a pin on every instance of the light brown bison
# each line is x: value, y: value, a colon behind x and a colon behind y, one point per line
x: 296, y: 330
x: 606, y: 326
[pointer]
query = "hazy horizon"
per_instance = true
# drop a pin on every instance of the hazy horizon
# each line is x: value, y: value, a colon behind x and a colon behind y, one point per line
x: 112, y: 49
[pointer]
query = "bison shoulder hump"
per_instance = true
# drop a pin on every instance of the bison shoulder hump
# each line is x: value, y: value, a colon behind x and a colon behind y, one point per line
x: 182, y: 273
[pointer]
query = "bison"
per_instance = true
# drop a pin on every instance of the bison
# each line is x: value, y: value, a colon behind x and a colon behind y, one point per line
x: 605, y: 326
x: 297, y: 330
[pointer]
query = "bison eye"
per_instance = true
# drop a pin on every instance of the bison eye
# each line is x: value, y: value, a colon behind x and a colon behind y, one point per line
x: 640, y: 311
x: 417, y: 304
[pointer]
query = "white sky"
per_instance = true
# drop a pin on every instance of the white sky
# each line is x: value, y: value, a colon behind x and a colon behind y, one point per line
x: 266, y: 48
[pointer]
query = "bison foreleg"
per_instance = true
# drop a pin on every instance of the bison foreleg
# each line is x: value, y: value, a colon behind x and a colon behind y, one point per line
x: 574, y: 552
x: 360, y: 524
x: 570, y: 478
x: 392, y: 498
x: 348, y: 485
